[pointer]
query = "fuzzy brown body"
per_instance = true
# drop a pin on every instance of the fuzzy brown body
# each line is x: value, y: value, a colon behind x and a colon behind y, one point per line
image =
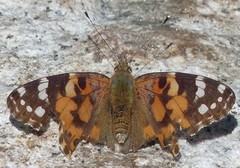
x: 125, y: 120
x: 122, y: 96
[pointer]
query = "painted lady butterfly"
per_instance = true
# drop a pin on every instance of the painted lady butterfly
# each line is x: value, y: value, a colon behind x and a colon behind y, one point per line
x: 122, y: 112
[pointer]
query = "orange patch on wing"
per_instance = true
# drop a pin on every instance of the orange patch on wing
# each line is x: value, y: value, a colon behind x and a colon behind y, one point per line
x: 182, y: 102
x: 95, y: 133
x: 61, y: 103
x: 59, y: 96
x: 184, y: 94
x: 158, y: 109
x: 70, y: 136
x: 75, y: 131
x: 178, y: 105
x: 161, y: 140
x: 185, y: 123
x: 167, y: 131
x: 86, y: 110
x: 64, y: 106
x: 76, y: 134
x: 149, y: 132
x: 173, y: 90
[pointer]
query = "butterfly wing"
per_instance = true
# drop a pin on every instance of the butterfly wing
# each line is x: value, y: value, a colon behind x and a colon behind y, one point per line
x: 72, y: 99
x: 177, y: 101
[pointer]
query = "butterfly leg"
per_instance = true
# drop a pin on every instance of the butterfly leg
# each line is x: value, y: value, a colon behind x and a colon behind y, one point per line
x: 171, y: 141
x: 174, y: 147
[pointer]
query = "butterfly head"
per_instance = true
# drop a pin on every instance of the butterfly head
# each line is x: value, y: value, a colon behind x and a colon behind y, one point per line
x: 123, y: 66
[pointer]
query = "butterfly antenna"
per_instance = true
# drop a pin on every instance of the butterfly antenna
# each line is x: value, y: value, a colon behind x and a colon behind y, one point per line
x: 161, y: 52
x: 89, y: 37
x: 149, y: 39
x: 86, y: 14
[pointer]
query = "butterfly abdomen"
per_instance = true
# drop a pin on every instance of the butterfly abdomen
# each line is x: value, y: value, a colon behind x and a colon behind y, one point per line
x: 121, y: 102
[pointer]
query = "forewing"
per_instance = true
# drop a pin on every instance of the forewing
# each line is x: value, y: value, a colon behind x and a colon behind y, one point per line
x: 72, y: 99
x: 182, y: 101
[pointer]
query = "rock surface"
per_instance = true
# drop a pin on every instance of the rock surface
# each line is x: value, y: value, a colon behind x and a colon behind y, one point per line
x: 42, y: 38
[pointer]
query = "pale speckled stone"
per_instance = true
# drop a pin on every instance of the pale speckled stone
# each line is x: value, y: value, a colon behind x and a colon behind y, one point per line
x: 41, y: 38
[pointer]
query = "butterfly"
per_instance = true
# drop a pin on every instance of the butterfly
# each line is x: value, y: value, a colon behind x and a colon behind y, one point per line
x: 122, y: 112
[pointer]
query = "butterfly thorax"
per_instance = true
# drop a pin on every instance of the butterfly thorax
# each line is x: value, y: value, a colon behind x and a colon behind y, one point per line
x: 121, y: 102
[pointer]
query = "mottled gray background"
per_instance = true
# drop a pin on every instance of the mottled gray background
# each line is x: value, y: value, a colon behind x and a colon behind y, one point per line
x: 42, y: 38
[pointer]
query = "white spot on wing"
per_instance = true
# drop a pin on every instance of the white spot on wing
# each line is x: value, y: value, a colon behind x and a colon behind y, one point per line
x: 200, y: 78
x: 221, y: 88
x: 201, y: 84
x: 39, y: 111
x: 219, y: 99
x: 22, y: 102
x: 179, y: 120
x: 72, y: 74
x: 229, y: 97
x: 29, y: 109
x: 210, y: 118
x: 17, y: 110
x: 44, y: 80
x: 199, y: 123
x: 213, y: 106
x: 69, y: 88
x: 42, y: 95
x: 42, y: 86
x: 202, y: 109
x: 21, y: 91
x: 200, y: 93
x: 171, y: 74
x: 225, y: 106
